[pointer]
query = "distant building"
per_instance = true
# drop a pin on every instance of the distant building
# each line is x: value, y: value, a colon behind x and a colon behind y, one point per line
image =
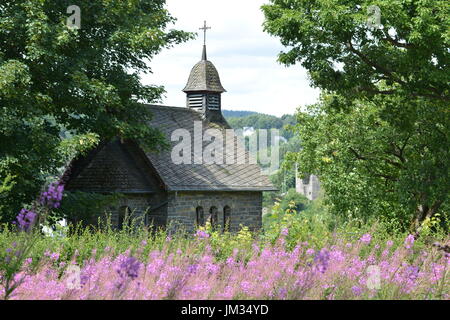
x: 309, y: 186
x: 248, y: 131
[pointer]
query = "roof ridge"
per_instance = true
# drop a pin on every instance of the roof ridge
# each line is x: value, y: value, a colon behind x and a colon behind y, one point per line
x: 165, y: 106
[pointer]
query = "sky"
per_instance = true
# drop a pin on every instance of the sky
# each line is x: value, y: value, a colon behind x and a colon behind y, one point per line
x: 244, y: 55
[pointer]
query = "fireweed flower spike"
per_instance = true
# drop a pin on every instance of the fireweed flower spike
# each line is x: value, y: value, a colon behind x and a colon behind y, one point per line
x: 25, y: 219
x: 201, y: 234
x: 273, y: 272
x: 321, y: 260
x: 366, y: 238
x: 53, y: 196
x: 409, y: 241
x: 129, y: 268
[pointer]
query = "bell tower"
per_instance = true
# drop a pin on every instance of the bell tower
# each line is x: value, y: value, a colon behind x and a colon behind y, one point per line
x: 204, y: 89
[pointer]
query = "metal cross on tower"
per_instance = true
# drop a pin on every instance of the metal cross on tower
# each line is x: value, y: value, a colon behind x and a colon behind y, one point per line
x: 204, y: 28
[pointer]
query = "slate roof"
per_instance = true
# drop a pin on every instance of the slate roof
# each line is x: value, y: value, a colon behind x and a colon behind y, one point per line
x: 203, y: 177
x: 204, y: 77
x: 108, y: 168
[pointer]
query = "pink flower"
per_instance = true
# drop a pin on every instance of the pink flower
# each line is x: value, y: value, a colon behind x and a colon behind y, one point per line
x: 356, y: 290
x: 54, y: 256
x: 409, y: 241
x: 366, y: 238
x: 201, y: 234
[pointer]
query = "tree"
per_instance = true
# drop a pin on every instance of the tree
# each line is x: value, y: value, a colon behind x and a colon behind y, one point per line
x: 370, y: 167
x: 407, y: 55
x: 379, y: 139
x: 55, y: 78
x: 262, y: 121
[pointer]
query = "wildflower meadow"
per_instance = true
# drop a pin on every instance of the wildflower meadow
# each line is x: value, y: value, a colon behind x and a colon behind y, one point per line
x: 299, y: 257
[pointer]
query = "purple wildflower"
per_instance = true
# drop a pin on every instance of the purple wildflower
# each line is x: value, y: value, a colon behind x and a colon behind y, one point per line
x: 412, y: 273
x: 201, y: 234
x: 54, y: 256
x: 409, y: 241
x: 321, y: 260
x: 129, y: 268
x: 356, y: 290
x: 366, y: 238
x: 282, y: 293
x: 25, y: 219
x: 53, y: 196
x: 192, y: 268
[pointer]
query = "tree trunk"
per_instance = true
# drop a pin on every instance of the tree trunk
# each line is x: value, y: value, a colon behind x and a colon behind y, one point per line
x: 422, y: 213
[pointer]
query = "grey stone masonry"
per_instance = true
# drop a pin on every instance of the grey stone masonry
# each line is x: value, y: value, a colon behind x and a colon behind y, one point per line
x: 245, y: 208
x: 138, y: 206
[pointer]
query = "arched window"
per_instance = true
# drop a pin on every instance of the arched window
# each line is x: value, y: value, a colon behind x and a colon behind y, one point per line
x: 213, y: 217
x: 124, y: 217
x: 226, y: 218
x: 200, y: 216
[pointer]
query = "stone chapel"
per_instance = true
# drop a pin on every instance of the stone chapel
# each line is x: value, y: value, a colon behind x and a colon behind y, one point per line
x: 158, y: 191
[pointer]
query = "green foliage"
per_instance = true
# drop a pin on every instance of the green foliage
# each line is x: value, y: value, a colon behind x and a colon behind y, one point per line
x: 379, y: 138
x: 54, y: 79
x: 282, y: 179
x: 408, y: 54
x: 236, y: 113
x: 293, y: 200
x: 224, y: 243
x: 85, y: 207
x: 371, y: 167
x: 262, y: 121
x: 317, y: 225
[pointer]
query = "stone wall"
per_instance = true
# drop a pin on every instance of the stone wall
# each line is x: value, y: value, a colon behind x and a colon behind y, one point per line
x: 138, y: 204
x: 148, y: 208
x: 246, y: 208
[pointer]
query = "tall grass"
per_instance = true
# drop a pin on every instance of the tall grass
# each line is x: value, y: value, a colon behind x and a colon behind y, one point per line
x: 291, y: 259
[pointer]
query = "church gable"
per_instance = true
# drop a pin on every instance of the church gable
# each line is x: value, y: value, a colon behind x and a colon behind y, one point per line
x: 112, y: 168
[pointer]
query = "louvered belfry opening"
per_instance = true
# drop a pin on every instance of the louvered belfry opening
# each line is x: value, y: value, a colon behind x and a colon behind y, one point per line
x: 213, y: 101
x: 204, y: 89
x: 195, y: 100
x: 200, y: 100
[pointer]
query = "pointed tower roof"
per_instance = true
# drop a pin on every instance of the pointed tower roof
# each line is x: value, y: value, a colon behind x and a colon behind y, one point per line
x: 204, y: 77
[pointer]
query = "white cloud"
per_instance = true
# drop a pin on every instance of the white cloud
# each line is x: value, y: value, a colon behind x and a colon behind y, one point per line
x: 244, y: 55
